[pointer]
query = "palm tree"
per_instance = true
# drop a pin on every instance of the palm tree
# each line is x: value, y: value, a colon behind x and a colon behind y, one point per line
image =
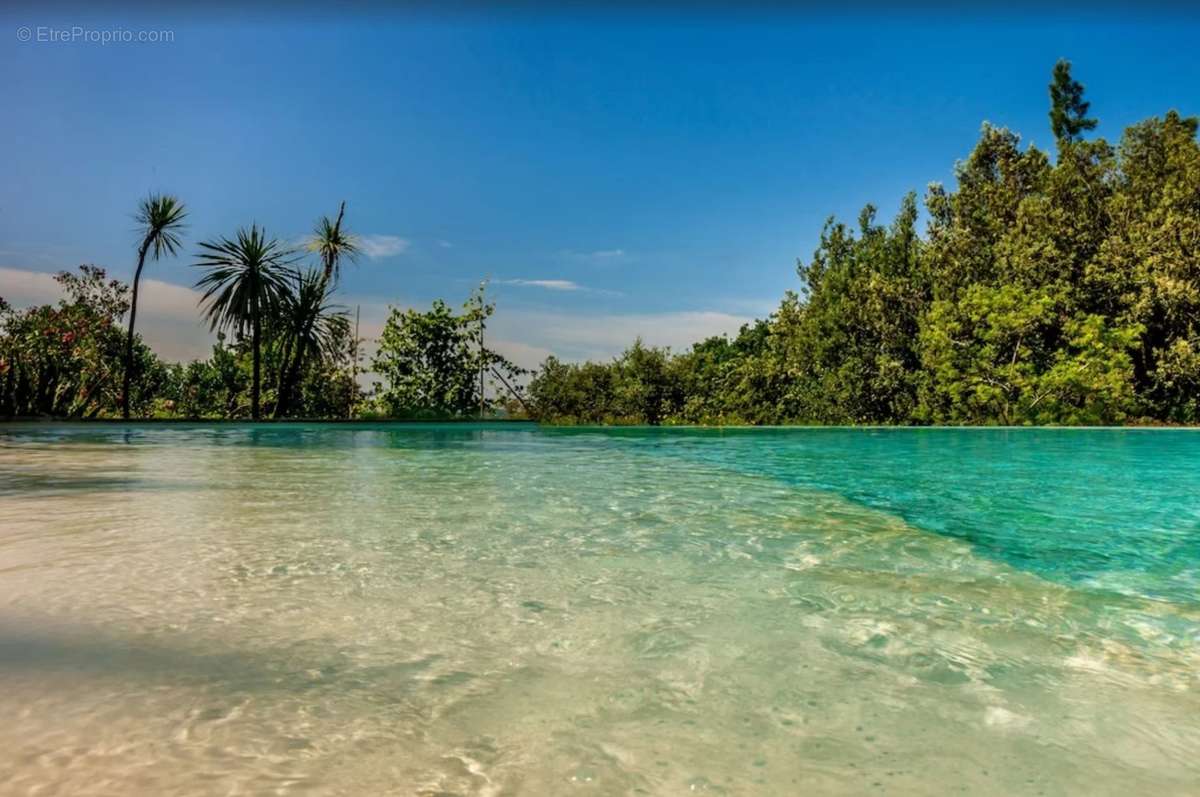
x: 246, y: 281
x: 332, y: 244
x: 312, y: 328
x: 160, y: 220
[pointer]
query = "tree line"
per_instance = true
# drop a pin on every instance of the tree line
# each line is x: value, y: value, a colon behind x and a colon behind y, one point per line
x: 1063, y: 292
x: 75, y: 360
x: 285, y: 348
x: 1042, y: 290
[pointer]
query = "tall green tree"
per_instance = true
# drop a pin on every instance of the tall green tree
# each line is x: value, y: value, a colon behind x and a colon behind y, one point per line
x: 854, y: 354
x: 432, y: 361
x: 245, y: 284
x: 1068, y: 109
x: 1146, y: 273
x: 1012, y: 335
x: 160, y: 219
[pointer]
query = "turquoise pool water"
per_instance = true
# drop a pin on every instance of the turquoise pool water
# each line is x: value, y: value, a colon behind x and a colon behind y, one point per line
x: 516, y: 610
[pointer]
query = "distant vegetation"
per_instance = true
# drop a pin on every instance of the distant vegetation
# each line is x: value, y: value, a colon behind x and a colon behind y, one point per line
x: 1041, y: 292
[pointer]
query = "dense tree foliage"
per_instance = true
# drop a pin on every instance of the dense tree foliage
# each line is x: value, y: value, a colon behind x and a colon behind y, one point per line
x: 434, y: 364
x: 220, y: 387
x: 1064, y: 291
x: 67, y: 360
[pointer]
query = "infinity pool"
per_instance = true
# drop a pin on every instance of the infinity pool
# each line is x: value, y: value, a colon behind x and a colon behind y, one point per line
x: 496, y: 610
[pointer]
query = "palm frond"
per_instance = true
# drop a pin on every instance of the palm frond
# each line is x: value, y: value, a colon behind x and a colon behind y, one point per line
x: 160, y: 219
x: 316, y: 324
x: 333, y: 244
x: 246, y: 277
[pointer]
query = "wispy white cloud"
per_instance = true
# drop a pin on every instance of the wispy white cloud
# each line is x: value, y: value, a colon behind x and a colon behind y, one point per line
x: 445, y: 244
x: 550, y: 285
x: 377, y: 246
x: 598, y: 254
x: 556, y: 285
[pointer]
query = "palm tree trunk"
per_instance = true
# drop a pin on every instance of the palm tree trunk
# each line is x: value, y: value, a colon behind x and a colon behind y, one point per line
x: 128, y: 377
x: 293, y: 377
x: 281, y: 383
x: 337, y: 226
x: 256, y: 384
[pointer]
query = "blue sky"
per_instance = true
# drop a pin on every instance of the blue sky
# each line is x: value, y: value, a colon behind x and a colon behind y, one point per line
x: 613, y: 172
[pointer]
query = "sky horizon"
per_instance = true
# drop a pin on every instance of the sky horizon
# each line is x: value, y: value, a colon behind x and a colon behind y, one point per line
x: 612, y: 174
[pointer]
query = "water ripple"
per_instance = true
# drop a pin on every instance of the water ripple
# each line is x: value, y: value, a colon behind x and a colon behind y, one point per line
x: 449, y: 610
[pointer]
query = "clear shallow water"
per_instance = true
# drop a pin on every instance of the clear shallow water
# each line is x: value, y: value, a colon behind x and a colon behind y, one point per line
x: 511, y: 610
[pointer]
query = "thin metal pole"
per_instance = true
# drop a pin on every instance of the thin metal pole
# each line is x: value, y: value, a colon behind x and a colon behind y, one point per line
x: 353, y: 364
x: 482, y: 358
